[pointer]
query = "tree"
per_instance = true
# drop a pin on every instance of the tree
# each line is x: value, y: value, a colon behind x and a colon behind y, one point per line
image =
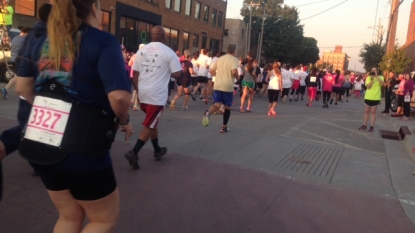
x: 308, y: 52
x: 396, y: 61
x: 370, y: 55
x: 283, y: 37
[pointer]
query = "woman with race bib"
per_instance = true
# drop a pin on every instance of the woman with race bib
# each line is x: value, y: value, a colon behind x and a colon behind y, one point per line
x: 75, y: 78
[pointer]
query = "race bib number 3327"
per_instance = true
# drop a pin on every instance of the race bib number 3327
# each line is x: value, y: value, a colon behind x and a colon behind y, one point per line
x: 47, y: 121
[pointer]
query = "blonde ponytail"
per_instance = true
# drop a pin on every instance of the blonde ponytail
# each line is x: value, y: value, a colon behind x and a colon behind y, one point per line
x: 62, y: 26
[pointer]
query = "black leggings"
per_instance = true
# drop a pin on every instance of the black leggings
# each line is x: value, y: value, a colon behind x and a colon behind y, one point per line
x: 293, y: 90
x: 406, y: 108
x: 326, y: 96
x: 285, y: 91
x: 346, y: 91
x: 273, y: 96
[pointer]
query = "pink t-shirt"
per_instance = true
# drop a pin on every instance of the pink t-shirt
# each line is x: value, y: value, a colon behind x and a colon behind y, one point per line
x: 340, y: 83
x: 328, y: 82
x: 352, y: 78
x: 401, y: 87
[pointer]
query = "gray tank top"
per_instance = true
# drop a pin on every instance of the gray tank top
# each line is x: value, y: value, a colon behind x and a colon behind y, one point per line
x: 248, y: 76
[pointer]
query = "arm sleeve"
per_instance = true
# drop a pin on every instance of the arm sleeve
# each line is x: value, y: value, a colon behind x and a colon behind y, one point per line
x: 174, y: 62
x: 111, y: 67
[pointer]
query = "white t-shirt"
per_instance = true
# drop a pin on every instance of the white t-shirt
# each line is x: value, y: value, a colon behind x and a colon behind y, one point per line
x: 155, y: 63
x: 287, y: 78
x: 203, y: 62
x: 274, y: 81
x: 358, y: 85
x: 195, y: 68
x: 302, y: 75
x: 211, y: 61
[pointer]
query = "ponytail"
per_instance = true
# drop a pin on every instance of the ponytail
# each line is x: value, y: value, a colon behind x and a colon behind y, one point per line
x: 337, y: 76
x: 64, y: 21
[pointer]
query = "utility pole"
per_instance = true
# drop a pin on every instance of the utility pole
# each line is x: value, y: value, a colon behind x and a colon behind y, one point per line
x: 391, y: 34
x: 261, y: 38
x: 380, y: 33
x: 250, y: 25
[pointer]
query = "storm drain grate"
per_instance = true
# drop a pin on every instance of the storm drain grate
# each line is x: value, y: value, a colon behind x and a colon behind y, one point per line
x: 312, y: 159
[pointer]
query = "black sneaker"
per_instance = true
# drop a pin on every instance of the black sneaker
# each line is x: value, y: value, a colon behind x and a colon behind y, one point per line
x: 193, y: 96
x: 371, y: 129
x: 327, y: 106
x: 331, y: 101
x: 324, y: 105
x: 163, y: 151
x: 363, y: 127
x: 132, y: 159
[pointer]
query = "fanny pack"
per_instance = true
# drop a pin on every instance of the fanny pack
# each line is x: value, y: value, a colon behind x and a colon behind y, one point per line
x: 59, y: 125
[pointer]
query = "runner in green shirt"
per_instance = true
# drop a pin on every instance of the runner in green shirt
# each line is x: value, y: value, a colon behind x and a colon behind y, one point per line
x: 374, y: 83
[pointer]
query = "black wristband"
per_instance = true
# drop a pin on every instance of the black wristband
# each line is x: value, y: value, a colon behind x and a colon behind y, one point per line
x: 126, y: 122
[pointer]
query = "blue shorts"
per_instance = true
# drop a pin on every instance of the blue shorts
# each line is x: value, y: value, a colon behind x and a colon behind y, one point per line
x: 223, y: 97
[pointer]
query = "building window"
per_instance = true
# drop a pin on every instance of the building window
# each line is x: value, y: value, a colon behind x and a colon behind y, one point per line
x: 134, y: 32
x: 197, y: 10
x: 214, y: 13
x: 204, y: 40
x: 105, y: 21
x: 177, y: 5
x: 220, y: 15
x: 168, y: 4
x: 226, y: 33
x: 188, y: 7
x: 25, y: 7
x: 206, y: 15
x: 214, y: 45
x: 243, y: 33
x: 195, y: 40
x: 185, y: 40
x: 172, y: 39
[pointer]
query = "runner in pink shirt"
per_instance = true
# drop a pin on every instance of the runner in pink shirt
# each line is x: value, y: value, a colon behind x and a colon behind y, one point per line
x: 328, y: 80
x: 337, y: 87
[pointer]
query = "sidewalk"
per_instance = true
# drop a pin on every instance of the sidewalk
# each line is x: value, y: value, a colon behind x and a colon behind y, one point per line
x: 306, y: 170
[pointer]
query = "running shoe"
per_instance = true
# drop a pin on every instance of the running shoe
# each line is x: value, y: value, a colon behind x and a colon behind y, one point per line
x: 273, y: 113
x: 405, y: 118
x: 3, y: 93
x: 335, y: 103
x: 331, y: 101
x: 206, y: 101
x: 193, y: 96
x: 291, y: 100
x: 324, y: 105
x: 136, y: 108
x: 371, y: 129
x: 203, y: 100
x: 269, y: 113
x: 283, y: 99
x: 327, y: 105
x: 302, y: 98
x: 200, y: 96
x: 307, y: 104
x: 158, y: 155
x: 396, y: 115
x: 172, y: 105
x: 185, y: 108
x: 224, y: 129
x: 249, y: 109
x: 132, y: 159
x: 205, y: 119
x: 363, y: 127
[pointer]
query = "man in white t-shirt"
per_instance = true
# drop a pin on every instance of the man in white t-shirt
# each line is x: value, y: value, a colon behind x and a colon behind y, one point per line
x: 225, y: 70
x: 153, y: 67
x: 287, y: 82
x: 202, y: 75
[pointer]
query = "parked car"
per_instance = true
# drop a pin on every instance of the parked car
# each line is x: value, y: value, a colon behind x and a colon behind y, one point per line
x: 5, y: 74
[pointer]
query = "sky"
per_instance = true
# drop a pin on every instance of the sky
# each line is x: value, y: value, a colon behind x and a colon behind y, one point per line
x: 346, y: 24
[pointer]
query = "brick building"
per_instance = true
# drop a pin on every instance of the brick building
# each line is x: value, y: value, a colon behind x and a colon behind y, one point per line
x: 409, y: 46
x: 235, y: 33
x: 338, y: 59
x: 189, y: 24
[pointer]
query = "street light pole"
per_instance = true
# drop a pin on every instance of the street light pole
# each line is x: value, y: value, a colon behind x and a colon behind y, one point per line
x: 262, y: 36
x: 250, y: 25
